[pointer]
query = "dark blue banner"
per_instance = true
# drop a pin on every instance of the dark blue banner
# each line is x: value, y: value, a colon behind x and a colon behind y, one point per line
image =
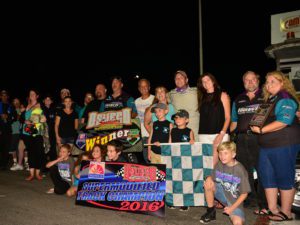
x: 127, y: 187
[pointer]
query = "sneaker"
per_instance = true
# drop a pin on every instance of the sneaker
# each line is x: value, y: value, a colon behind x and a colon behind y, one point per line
x: 171, y: 207
x: 27, y: 166
x: 184, y: 208
x: 16, y: 167
x: 208, y: 216
x: 50, y: 191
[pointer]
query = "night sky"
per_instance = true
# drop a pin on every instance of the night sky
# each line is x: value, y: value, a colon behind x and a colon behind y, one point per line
x: 46, y: 48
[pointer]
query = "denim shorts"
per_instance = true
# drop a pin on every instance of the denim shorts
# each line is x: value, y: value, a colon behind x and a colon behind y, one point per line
x: 276, y: 166
x: 69, y: 140
x: 220, y: 196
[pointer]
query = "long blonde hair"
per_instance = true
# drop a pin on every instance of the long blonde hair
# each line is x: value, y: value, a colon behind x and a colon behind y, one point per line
x: 286, y: 85
x: 155, y: 100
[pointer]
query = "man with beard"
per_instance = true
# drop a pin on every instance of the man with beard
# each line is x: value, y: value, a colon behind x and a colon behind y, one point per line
x: 185, y: 97
x: 243, y: 109
x: 100, y: 93
x: 119, y: 99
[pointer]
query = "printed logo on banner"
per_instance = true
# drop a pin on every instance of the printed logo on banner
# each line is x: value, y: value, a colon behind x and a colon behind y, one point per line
x: 104, y: 139
x: 109, y: 120
x: 96, y: 170
x: 81, y: 140
x: 134, y: 172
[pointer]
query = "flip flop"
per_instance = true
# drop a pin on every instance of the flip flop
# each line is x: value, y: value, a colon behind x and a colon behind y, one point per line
x: 280, y: 216
x: 262, y: 212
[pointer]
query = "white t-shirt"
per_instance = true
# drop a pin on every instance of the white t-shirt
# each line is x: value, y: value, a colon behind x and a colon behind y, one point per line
x: 141, y: 105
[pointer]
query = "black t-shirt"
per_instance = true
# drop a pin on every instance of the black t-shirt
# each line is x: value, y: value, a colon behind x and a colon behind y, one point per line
x: 94, y: 106
x: 50, y: 114
x: 245, y: 109
x: 161, y: 132
x: 181, y: 135
x: 66, y: 127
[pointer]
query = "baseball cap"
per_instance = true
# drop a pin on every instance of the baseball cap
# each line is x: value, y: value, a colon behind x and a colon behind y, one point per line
x: 4, y: 92
x: 65, y: 90
x: 158, y: 106
x: 181, y: 72
x: 181, y: 113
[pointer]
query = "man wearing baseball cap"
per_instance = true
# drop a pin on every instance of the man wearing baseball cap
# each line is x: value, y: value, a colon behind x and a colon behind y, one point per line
x: 185, y: 97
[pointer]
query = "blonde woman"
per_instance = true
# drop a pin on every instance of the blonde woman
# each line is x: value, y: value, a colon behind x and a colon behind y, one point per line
x: 279, y: 143
x: 161, y: 96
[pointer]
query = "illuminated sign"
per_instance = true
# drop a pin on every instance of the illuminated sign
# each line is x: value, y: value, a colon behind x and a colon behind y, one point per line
x: 290, y: 23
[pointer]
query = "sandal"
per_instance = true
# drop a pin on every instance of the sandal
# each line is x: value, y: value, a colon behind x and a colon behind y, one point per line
x: 29, y: 178
x: 280, y: 216
x: 262, y: 212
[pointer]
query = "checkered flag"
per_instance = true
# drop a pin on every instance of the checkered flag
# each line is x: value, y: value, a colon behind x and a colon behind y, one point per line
x: 120, y: 173
x: 186, y: 166
x: 160, y: 176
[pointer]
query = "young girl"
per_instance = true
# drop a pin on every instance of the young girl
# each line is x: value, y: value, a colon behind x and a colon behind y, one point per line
x: 98, y: 153
x: 83, y: 156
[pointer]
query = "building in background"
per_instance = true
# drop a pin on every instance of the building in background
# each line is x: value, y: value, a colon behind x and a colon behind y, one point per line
x: 285, y: 45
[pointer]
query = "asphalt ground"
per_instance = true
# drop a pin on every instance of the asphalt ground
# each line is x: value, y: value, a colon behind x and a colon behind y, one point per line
x: 26, y: 203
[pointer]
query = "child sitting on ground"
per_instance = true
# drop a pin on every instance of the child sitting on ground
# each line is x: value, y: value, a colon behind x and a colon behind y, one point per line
x: 229, y: 184
x: 61, y: 170
x: 85, y: 156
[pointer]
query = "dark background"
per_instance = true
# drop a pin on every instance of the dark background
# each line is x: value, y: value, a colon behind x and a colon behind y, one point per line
x: 46, y: 47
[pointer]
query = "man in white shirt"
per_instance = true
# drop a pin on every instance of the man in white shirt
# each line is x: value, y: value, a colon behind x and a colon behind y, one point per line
x: 142, y: 103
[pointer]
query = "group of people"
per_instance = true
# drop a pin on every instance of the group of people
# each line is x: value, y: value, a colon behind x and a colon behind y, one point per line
x: 188, y: 114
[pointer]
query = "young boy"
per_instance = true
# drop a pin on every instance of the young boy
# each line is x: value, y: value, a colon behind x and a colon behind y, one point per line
x: 160, y: 132
x: 61, y: 170
x: 181, y: 133
x: 114, y: 151
x: 229, y: 184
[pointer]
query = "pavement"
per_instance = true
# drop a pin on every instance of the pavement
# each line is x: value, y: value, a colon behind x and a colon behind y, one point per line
x: 26, y: 203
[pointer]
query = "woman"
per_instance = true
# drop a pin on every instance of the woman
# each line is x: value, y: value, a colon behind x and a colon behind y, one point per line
x: 279, y: 143
x: 214, y: 108
x: 66, y: 123
x: 161, y: 96
x: 32, y: 135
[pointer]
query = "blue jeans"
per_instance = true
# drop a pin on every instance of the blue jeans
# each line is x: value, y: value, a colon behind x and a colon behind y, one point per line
x: 220, y: 195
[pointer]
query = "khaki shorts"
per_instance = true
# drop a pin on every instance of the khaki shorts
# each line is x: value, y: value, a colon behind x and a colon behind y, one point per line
x: 155, y: 158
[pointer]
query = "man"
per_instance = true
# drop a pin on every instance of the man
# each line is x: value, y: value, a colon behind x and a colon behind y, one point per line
x: 243, y: 108
x: 118, y: 99
x: 185, y: 97
x: 142, y: 103
x: 100, y: 93
x: 7, y: 115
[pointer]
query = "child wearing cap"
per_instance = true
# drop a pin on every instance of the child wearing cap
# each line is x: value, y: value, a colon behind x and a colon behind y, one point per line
x: 159, y: 133
x: 181, y: 133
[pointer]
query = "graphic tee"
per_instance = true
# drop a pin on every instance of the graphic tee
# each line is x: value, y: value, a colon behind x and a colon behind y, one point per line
x: 233, y: 179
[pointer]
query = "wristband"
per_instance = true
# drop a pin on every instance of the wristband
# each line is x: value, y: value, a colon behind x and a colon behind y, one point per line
x: 222, y: 132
